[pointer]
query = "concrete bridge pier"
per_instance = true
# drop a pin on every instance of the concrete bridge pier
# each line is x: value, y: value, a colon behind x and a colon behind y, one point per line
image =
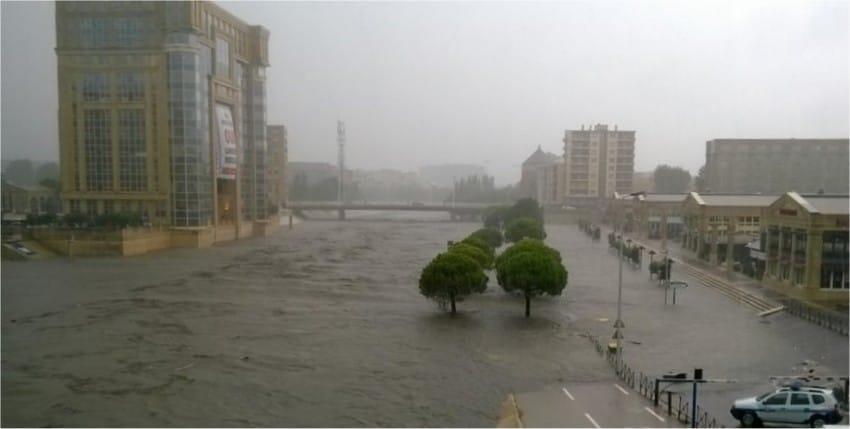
x: 341, y: 214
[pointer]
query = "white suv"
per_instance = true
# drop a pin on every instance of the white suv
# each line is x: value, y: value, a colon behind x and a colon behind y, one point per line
x: 789, y: 405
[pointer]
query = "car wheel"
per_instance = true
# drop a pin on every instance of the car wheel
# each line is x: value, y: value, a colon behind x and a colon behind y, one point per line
x: 749, y: 419
x: 817, y: 421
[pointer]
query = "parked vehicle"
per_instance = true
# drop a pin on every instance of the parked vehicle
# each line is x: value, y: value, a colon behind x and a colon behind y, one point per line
x: 812, y: 406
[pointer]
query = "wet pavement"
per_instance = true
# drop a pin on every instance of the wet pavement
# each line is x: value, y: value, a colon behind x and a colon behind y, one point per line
x: 605, y: 404
x: 324, y: 326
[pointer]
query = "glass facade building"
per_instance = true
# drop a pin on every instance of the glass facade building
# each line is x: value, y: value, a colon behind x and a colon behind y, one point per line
x: 162, y: 112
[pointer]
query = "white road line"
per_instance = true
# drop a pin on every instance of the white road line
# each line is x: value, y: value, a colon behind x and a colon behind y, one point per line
x: 568, y: 394
x: 621, y: 389
x: 648, y: 410
x: 591, y: 420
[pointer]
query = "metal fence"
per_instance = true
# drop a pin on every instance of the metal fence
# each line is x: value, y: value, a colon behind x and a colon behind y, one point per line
x: 827, y: 319
x: 675, y: 404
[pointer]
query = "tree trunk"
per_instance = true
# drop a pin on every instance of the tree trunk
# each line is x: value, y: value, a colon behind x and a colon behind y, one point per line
x: 452, y: 298
x: 527, y: 305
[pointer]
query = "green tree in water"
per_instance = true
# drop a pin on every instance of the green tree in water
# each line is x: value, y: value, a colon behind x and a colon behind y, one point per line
x: 451, y: 276
x: 531, y: 268
x: 524, y: 227
x: 491, y: 236
x: 481, y: 244
x: 484, y: 260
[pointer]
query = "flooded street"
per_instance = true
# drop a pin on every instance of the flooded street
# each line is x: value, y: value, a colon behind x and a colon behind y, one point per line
x: 319, y: 326
x: 324, y: 326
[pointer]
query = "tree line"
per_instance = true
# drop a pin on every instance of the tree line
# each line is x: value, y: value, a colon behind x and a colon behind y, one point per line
x: 527, y: 268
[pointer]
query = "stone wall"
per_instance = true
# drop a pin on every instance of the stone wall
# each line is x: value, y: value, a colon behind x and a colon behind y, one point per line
x: 138, y: 241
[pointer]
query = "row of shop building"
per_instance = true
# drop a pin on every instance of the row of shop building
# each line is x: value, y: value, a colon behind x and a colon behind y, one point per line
x: 796, y: 244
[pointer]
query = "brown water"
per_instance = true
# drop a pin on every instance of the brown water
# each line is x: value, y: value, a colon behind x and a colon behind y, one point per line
x: 319, y: 326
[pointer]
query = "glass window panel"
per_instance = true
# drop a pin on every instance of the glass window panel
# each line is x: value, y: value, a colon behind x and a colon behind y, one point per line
x: 222, y: 57
x: 95, y: 86
x: 98, y: 149
x: 130, y: 86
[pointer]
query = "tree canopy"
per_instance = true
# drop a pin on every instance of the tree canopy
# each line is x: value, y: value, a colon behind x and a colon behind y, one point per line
x: 450, y: 276
x: 671, y: 180
x: 493, y: 216
x: 524, y: 227
x: 480, y: 244
x: 700, y: 181
x: 491, y: 236
x: 531, y: 268
x: 484, y: 260
x: 526, y: 207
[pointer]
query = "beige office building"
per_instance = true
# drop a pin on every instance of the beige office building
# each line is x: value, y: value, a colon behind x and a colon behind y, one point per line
x: 276, y: 166
x: 714, y: 224
x: 162, y: 109
x: 775, y: 166
x: 597, y: 163
x: 550, y: 179
x: 805, y: 240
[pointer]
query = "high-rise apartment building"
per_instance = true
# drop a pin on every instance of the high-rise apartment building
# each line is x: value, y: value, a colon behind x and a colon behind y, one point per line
x: 597, y: 163
x: 162, y: 111
x: 776, y: 166
x: 276, y: 166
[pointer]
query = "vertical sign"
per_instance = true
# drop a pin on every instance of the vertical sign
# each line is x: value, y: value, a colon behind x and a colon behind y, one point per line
x: 227, y: 155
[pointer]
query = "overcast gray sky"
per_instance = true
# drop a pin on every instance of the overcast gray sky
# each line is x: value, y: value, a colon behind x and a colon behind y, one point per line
x: 486, y: 83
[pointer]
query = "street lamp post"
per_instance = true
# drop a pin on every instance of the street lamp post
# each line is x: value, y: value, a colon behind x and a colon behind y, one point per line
x: 651, y: 254
x: 640, y: 256
x: 619, y: 325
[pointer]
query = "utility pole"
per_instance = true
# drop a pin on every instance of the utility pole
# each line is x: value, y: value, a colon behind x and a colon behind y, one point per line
x: 340, y: 140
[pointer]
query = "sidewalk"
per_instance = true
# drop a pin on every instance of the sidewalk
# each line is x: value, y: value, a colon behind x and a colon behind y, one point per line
x: 828, y: 317
x: 739, y: 280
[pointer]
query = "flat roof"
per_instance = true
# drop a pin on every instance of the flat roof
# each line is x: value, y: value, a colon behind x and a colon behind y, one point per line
x: 781, y: 140
x: 738, y: 200
x: 832, y: 205
x: 664, y: 198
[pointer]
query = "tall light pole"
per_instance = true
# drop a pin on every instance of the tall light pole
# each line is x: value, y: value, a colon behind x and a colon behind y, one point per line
x: 619, y: 325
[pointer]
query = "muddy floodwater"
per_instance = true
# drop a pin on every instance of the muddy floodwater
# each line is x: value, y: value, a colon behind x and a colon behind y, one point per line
x: 324, y: 326
x: 319, y: 326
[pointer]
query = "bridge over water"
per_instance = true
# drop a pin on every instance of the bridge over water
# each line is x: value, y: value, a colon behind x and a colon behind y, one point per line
x: 456, y: 211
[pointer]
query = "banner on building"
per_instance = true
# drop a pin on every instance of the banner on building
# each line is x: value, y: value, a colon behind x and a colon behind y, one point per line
x: 226, y: 155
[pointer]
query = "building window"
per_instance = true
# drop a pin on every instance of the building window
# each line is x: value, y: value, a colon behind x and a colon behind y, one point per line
x: 74, y: 206
x: 128, y: 31
x: 91, y: 208
x: 222, y: 57
x: 834, y: 276
x: 95, y: 86
x: 130, y: 86
x: 93, y: 32
x: 132, y: 151
x: 98, y: 149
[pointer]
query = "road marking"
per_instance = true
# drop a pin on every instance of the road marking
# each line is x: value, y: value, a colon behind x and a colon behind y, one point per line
x: 653, y: 413
x: 621, y: 389
x: 591, y: 420
x: 568, y: 394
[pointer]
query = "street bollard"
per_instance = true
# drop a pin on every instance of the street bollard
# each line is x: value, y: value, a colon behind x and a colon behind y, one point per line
x: 669, y: 403
x: 290, y: 221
